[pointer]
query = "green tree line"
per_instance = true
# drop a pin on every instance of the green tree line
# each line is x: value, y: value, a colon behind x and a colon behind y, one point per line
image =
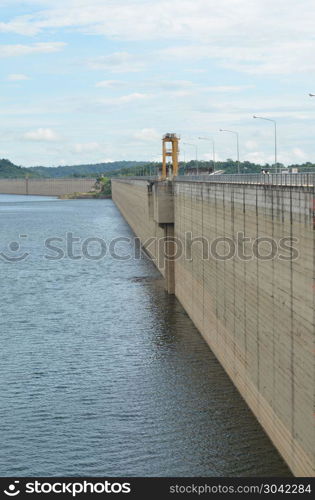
x: 133, y: 168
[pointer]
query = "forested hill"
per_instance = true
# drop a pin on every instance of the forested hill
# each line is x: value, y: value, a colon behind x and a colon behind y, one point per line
x: 85, y: 170
x: 9, y: 170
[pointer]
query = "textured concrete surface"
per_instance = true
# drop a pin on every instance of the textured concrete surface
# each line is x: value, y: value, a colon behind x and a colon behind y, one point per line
x: 163, y: 202
x: 256, y: 314
x: 135, y: 201
x: 46, y: 187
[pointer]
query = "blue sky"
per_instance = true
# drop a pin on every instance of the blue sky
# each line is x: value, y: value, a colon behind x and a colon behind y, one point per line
x: 101, y: 80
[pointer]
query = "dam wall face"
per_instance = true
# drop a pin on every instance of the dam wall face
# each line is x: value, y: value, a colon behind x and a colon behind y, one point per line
x: 135, y: 202
x: 256, y: 313
x: 46, y: 187
x: 244, y: 272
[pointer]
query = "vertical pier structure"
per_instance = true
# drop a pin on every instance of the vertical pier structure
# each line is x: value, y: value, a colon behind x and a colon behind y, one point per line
x: 173, y: 152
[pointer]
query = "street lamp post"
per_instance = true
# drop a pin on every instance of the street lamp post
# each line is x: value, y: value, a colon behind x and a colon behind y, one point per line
x: 184, y: 154
x: 196, y: 147
x: 275, y: 126
x: 213, y: 149
x: 237, y: 146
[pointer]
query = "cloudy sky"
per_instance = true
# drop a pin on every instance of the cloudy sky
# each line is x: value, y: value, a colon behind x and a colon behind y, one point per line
x: 100, y: 80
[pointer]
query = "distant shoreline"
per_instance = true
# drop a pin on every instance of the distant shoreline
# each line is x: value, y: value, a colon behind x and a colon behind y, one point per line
x: 84, y: 196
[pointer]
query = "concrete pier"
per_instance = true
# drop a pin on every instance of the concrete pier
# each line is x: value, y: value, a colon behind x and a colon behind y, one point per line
x: 245, y: 276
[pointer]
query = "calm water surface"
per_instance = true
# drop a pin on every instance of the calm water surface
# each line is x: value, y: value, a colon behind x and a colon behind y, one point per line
x: 102, y: 372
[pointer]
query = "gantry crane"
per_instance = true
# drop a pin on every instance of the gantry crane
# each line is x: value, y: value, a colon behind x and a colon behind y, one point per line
x: 170, y: 171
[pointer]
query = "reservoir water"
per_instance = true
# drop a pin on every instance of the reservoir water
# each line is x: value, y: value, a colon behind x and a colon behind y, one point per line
x: 103, y: 373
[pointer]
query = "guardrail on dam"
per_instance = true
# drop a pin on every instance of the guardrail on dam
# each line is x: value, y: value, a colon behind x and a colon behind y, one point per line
x: 251, y: 296
x: 46, y: 187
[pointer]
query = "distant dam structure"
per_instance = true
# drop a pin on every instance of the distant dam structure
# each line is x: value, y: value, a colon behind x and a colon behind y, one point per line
x: 47, y: 187
x: 252, y: 298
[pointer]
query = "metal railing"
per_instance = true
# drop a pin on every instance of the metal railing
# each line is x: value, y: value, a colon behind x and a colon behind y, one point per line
x: 136, y: 178
x: 288, y: 179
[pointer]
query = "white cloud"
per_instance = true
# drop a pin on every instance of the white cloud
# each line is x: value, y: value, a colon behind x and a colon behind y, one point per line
x: 35, y: 48
x: 17, y: 77
x: 118, y: 62
x: 147, y: 135
x: 272, y: 58
x: 157, y: 85
x: 41, y: 135
x: 279, y: 59
x: 136, y: 96
x: 110, y: 84
x: 227, y: 88
x: 231, y: 107
x: 299, y: 154
x: 22, y: 25
x: 251, y: 145
x: 262, y: 37
x: 177, y: 88
x: 88, y: 147
x: 142, y: 19
x: 259, y: 157
x: 286, y: 157
x: 113, y: 102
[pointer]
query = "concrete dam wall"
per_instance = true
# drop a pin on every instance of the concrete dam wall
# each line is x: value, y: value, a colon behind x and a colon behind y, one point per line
x: 246, y: 279
x: 135, y: 200
x: 46, y: 187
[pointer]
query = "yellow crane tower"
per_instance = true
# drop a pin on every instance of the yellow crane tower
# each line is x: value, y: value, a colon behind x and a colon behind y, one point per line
x: 172, y: 139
